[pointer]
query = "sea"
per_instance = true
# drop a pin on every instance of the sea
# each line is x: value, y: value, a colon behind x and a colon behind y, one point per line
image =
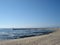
x: 7, y: 34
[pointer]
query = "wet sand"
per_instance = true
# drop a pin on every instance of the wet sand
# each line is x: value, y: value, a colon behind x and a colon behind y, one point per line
x: 50, y: 39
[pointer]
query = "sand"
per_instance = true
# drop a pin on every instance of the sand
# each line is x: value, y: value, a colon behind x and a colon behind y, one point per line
x: 50, y: 39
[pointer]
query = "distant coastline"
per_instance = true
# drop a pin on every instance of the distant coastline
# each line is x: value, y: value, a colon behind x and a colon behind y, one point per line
x: 29, y: 28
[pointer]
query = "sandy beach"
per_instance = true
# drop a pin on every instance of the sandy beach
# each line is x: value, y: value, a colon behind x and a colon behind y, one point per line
x: 50, y: 39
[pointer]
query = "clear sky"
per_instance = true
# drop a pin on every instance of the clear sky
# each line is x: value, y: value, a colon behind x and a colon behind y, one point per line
x: 29, y: 13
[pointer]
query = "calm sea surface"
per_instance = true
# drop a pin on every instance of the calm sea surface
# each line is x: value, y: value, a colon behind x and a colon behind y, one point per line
x: 6, y: 34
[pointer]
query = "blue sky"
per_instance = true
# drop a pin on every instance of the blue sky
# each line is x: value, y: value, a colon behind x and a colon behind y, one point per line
x: 29, y: 13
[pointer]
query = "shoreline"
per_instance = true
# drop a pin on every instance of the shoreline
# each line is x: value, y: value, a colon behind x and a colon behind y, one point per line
x: 50, y: 39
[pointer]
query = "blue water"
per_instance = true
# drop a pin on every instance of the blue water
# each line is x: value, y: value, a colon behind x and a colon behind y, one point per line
x: 6, y: 34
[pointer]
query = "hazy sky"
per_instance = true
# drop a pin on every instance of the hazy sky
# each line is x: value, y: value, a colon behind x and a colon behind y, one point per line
x: 29, y: 13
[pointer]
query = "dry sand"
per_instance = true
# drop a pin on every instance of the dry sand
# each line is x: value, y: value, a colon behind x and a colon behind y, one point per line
x: 50, y: 39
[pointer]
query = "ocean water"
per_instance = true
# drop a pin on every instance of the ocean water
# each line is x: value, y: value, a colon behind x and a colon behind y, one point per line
x: 6, y: 34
